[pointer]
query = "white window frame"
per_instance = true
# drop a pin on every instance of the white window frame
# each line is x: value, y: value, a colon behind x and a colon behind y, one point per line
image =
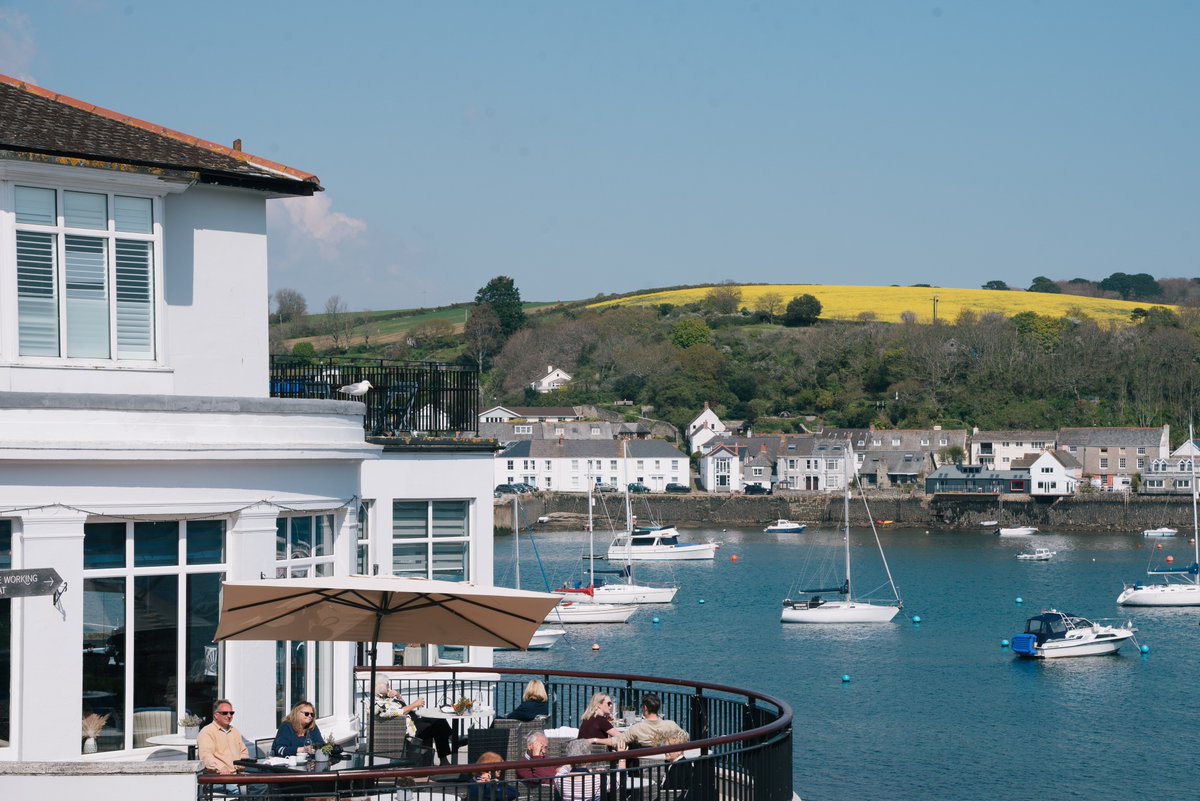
x: 73, y: 179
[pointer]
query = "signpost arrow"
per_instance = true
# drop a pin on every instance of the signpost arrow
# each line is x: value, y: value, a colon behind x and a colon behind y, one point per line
x: 30, y: 581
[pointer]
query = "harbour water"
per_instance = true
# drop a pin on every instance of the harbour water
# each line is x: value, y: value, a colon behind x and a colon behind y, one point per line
x: 936, y: 710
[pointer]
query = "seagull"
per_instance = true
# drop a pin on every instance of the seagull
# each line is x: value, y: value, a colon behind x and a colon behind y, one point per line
x: 356, y: 390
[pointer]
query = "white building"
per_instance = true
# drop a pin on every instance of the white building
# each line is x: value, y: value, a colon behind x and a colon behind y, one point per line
x: 1051, y: 473
x: 721, y: 468
x: 142, y: 459
x: 555, y: 378
x: 704, y: 429
x: 997, y: 450
x: 569, y: 465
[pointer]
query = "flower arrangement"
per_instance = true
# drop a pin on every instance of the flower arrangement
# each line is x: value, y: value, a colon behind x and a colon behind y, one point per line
x: 329, y: 747
x: 92, y: 724
x: 463, y: 705
x: 189, y: 721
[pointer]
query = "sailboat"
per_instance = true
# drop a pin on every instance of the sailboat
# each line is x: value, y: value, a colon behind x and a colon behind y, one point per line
x: 624, y: 591
x: 844, y: 608
x: 545, y: 636
x: 1185, y: 589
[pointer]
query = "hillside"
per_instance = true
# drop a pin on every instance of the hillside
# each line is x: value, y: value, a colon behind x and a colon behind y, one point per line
x: 889, y: 303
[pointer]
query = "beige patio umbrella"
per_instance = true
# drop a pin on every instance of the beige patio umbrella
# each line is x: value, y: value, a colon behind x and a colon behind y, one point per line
x: 374, y: 608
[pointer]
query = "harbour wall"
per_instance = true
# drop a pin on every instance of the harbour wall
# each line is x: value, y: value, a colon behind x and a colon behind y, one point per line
x: 1096, y: 511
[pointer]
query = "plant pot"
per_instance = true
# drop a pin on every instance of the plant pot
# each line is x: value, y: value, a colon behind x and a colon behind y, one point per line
x: 89, y: 745
x: 321, y: 756
x: 191, y: 732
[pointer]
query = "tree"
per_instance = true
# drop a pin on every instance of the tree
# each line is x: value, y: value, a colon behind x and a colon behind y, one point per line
x: 724, y: 299
x: 690, y: 331
x: 802, y: 310
x: 482, y: 332
x: 505, y: 299
x: 289, y: 305
x: 768, y: 305
x: 1044, y: 284
x: 338, y: 325
x: 1129, y: 287
x: 952, y: 453
x: 996, y: 285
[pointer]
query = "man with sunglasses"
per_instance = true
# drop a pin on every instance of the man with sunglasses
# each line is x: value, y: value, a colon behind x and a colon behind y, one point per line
x: 219, y: 745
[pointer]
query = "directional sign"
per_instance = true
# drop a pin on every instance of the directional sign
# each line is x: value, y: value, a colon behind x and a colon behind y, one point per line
x: 31, y: 581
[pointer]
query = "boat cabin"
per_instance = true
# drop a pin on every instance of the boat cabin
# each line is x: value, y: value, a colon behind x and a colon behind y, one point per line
x: 1054, y: 625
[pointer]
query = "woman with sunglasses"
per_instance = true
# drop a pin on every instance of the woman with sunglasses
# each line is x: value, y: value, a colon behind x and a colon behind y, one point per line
x: 596, y: 723
x: 298, y: 734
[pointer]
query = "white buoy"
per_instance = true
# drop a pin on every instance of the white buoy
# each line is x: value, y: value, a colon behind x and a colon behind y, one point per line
x: 595, y: 646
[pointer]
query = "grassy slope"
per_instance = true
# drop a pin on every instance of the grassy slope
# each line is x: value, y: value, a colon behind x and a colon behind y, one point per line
x: 887, y: 303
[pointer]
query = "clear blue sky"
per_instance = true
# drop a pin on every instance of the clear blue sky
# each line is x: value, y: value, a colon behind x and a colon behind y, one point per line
x: 585, y: 147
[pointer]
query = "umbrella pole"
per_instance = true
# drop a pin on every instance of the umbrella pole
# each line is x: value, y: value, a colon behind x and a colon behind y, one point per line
x: 371, y: 691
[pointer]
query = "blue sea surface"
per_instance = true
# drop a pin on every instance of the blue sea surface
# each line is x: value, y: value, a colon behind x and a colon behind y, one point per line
x: 936, y: 710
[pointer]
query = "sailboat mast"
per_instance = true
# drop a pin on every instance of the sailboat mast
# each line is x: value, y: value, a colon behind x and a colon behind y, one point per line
x: 591, y: 537
x: 846, y: 528
x: 1195, y: 529
x: 517, y: 538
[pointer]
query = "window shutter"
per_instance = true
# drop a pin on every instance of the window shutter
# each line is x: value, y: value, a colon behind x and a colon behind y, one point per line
x: 37, y: 295
x: 135, y: 300
x: 87, y: 297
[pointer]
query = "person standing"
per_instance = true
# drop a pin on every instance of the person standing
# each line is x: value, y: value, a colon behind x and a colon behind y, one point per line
x: 219, y: 745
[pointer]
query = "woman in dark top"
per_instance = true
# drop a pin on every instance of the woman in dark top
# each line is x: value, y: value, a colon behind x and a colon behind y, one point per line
x: 298, y: 734
x: 533, y: 702
x: 596, y: 722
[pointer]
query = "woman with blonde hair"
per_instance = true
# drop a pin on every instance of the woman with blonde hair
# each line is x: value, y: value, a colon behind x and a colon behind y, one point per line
x: 298, y: 734
x: 596, y: 723
x: 533, y: 702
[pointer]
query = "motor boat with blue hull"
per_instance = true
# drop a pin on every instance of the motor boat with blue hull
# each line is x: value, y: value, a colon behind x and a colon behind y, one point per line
x: 1054, y: 634
x: 782, y: 526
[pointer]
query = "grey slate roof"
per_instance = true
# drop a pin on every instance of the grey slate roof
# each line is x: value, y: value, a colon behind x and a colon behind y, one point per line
x: 1015, y: 436
x: 43, y: 126
x: 1110, y: 437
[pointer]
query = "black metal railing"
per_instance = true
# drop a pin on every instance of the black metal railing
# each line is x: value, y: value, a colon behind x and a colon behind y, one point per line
x: 740, y: 746
x: 406, y: 398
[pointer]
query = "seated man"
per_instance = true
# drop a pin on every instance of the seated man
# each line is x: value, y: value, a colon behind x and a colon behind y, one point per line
x: 651, y: 731
x: 535, y: 748
x: 219, y: 745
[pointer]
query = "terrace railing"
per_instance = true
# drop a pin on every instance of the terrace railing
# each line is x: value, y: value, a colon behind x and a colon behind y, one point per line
x: 740, y: 746
x: 406, y: 398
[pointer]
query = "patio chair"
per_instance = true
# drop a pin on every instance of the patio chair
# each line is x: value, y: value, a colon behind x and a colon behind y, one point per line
x: 151, y: 722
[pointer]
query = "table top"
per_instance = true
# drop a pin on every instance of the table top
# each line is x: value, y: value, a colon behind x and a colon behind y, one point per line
x: 349, y: 763
x: 171, y: 739
x: 437, y: 712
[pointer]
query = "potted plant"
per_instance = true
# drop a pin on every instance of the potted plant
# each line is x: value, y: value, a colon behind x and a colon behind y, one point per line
x: 92, y: 724
x: 464, y: 705
x: 191, y: 725
x: 324, y: 752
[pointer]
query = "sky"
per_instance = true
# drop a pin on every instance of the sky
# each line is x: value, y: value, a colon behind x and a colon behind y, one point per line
x: 599, y: 147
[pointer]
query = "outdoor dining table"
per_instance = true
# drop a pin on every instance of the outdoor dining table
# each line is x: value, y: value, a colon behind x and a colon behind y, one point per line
x: 458, y: 720
x: 178, y: 740
x: 326, y: 778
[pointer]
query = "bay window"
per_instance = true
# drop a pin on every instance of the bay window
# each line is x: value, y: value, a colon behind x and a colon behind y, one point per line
x: 85, y: 274
x: 304, y: 670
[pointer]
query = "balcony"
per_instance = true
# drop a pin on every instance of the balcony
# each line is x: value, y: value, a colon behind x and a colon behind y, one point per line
x: 740, y: 747
x: 427, y: 399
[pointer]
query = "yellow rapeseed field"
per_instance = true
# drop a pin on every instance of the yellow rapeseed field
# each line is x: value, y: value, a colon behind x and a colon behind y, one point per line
x: 888, y: 303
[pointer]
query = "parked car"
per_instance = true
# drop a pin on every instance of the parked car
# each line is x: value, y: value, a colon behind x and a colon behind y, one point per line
x: 507, y: 489
x: 757, y: 489
x: 678, y: 488
x: 637, y: 487
x: 522, y: 487
x: 605, y: 488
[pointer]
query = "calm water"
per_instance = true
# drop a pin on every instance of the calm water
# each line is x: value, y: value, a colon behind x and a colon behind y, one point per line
x: 933, y: 711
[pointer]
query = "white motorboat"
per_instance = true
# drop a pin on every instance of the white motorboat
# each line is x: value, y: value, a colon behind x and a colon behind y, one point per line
x: 623, y: 591
x: 657, y: 544
x: 1037, y: 555
x: 844, y: 608
x: 1180, y: 586
x: 1017, y: 531
x: 782, y: 526
x: 544, y: 638
x: 1161, y: 531
x: 989, y: 523
x: 1054, y: 634
x: 572, y: 612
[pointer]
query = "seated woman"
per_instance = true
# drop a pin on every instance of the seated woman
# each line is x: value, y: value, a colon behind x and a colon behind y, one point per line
x: 577, y: 782
x: 533, y: 702
x: 298, y: 734
x: 434, y: 732
x: 486, y: 786
x: 596, y: 722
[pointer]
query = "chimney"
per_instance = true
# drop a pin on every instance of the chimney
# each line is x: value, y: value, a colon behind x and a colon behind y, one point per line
x: 237, y: 145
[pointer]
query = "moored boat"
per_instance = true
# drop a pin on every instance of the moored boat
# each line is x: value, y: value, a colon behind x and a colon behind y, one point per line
x: 782, y: 526
x: 1016, y: 531
x: 1054, y: 634
x: 571, y: 612
x: 1161, y: 531
x: 1037, y: 555
x: 657, y: 544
